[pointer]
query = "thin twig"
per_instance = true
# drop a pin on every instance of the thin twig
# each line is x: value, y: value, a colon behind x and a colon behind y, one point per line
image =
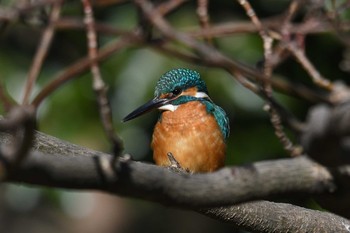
x: 275, y: 114
x: 83, y: 65
x: 292, y: 10
x: 42, y: 51
x: 300, y: 56
x: 310, y: 26
x: 245, y: 82
x: 207, y: 53
x: 267, y: 44
x: 72, y: 23
x: 99, y: 85
x: 287, y: 144
x: 202, y: 12
x: 5, y: 100
x: 281, y: 84
x: 169, y: 6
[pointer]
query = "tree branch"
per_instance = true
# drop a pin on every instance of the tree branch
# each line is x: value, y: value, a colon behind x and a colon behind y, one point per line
x: 265, y: 216
x: 57, y: 163
x: 60, y: 164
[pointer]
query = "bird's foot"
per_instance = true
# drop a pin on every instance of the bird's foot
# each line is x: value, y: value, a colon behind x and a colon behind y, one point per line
x: 175, y: 165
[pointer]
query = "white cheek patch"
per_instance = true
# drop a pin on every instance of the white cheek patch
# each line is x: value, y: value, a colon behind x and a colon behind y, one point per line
x: 169, y: 107
x: 201, y: 95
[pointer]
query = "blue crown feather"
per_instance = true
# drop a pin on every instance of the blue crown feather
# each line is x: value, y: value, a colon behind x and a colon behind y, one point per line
x: 179, y: 78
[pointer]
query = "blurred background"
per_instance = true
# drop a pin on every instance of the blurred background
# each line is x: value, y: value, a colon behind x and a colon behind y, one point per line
x: 71, y: 112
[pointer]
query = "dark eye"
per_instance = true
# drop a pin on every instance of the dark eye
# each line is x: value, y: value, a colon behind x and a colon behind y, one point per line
x: 176, y: 91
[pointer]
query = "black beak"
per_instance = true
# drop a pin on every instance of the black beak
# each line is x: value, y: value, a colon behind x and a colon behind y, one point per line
x: 150, y: 105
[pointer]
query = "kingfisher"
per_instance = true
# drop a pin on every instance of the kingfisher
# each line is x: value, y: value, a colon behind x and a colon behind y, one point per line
x: 190, y: 126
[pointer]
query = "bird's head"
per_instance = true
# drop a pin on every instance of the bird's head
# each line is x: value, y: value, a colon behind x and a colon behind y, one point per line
x: 175, y: 87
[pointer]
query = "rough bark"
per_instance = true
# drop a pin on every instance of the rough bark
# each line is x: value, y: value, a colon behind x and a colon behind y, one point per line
x: 57, y: 163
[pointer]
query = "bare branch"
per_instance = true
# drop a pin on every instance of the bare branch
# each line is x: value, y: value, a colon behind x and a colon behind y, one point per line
x: 292, y: 10
x: 69, y: 166
x: 275, y: 115
x: 5, y: 99
x: 202, y: 12
x: 99, y: 85
x: 317, y: 78
x: 266, y: 217
x: 42, y: 50
x: 169, y: 6
x: 83, y: 65
x: 70, y: 23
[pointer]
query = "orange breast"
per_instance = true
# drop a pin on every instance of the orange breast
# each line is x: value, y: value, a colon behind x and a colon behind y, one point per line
x: 192, y: 136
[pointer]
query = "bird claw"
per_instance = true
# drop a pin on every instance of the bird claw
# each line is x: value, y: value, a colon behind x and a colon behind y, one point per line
x: 175, y: 165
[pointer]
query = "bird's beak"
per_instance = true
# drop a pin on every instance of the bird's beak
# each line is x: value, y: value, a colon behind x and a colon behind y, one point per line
x: 150, y: 105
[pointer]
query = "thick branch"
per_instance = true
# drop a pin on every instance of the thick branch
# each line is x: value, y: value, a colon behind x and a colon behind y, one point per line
x: 264, y: 216
x: 60, y: 164
x: 56, y: 163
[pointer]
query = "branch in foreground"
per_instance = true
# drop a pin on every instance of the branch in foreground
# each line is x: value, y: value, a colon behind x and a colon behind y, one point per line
x: 68, y: 166
x: 265, y: 216
x: 56, y: 163
x: 326, y: 140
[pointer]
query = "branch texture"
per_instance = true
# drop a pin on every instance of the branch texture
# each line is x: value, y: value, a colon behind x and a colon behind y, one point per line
x: 56, y: 163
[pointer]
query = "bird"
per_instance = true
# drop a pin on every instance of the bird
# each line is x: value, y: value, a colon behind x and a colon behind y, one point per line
x: 190, y: 126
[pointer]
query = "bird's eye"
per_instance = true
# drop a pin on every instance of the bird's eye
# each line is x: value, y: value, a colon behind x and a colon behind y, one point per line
x: 176, y: 91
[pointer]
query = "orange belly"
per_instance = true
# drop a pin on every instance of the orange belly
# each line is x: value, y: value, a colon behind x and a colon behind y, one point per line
x: 192, y: 136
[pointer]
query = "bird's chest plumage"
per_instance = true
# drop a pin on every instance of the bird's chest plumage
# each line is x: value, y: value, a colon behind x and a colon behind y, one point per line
x: 192, y: 136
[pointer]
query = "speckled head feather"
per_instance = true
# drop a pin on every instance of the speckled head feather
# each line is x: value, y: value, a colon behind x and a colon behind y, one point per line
x: 179, y: 78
